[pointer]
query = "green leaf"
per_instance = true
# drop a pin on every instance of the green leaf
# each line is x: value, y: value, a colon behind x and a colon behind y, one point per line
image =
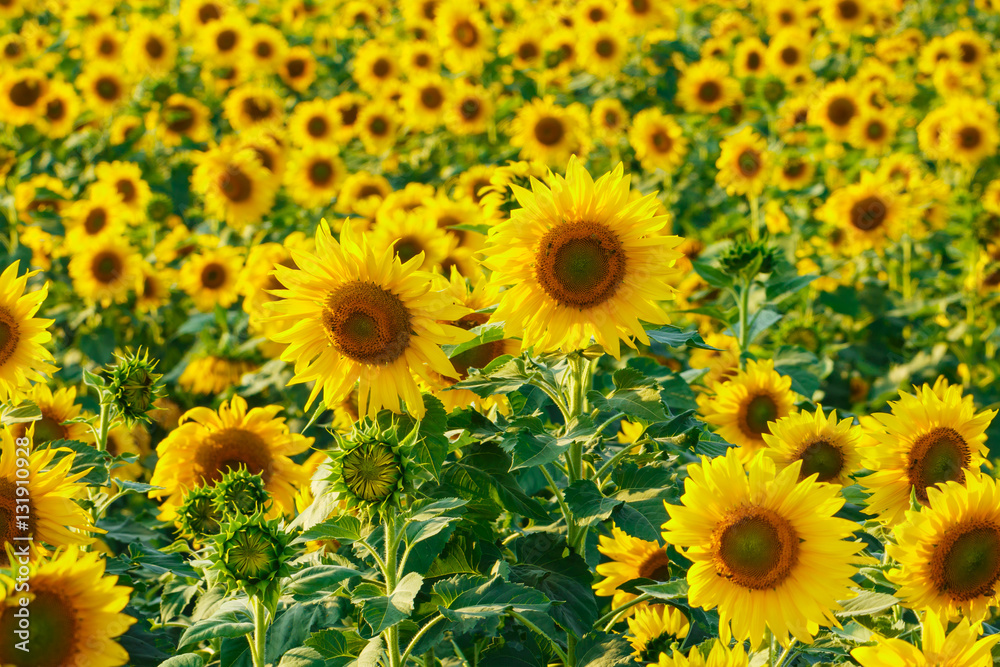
x: 136, y: 487
x: 711, y: 275
x: 784, y: 285
x: 502, y: 376
x: 226, y: 624
x: 529, y: 450
x: 599, y: 649
x: 385, y: 611
x: 587, y: 502
x: 761, y: 321
x: 486, y: 333
x: 319, y: 578
x: 642, y: 402
x: 26, y: 411
x: 484, y: 473
x: 471, y: 602
x: 304, y: 657
x: 675, y: 337
x: 867, y: 602
x: 430, y: 448
x: 84, y: 457
x: 343, y: 528
x: 338, y: 648
x: 371, y: 654
x: 185, y: 660
x: 671, y: 590
x: 676, y: 394
x: 805, y: 369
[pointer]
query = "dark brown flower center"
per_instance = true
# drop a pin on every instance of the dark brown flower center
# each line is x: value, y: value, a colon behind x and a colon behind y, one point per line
x: 470, y: 108
x: 55, y: 640
x: 180, y: 118
x: 840, y: 111
x: 789, y: 55
x: 848, y: 9
x: 970, y: 137
x: 256, y: 109
x: 154, y: 48
x: 527, y: 51
x: 25, y: 93
x: 549, y: 131
x: 55, y: 110
x: 466, y: 34
x: 381, y: 68
x: 868, y: 213
x: 709, y: 91
x: 965, y: 564
x: 378, y: 126
x: 755, y: 548
x: 749, y: 163
x: 106, y: 47
x: 106, y: 267
x: 231, y: 449
x: 321, y: 172
x: 875, y: 130
x: 580, y: 264
x: 126, y: 189
x: 213, y: 276
x: 226, y: 40
x: 235, y: 185
x: 10, y: 334
x: 760, y: 410
x: 107, y: 88
x: 822, y: 458
x: 367, y: 323
x: 317, y: 127
x: 940, y: 455
x: 754, y: 61
x: 656, y: 566
x: 296, y: 67
x: 605, y: 48
x: 431, y: 98
x: 662, y: 143
x: 264, y: 50
x: 208, y: 13
x: 95, y: 221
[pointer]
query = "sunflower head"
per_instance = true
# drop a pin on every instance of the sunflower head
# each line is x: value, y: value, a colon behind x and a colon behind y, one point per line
x: 197, y: 516
x: 370, y: 470
x: 251, y: 554
x: 133, y: 386
x: 240, y: 492
x: 748, y: 258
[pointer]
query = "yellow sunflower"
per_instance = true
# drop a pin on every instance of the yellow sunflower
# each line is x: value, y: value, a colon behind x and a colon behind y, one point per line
x: 126, y: 178
x: 827, y: 448
x: 314, y: 175
x: 745, y: 407
x: 257, y: 280
x: 378, y: 126
x: 22, y: 358
x: 424, y: 101
x: 76, y: 612
x: 297, y: 68
x: 722, y: 363
x: 991, y: 197
x: 836, y: 108
x: 210, y: 277
x: 105, y: 271
x: 465, y: 39
x: 252, y: 105
x: 375, y: 65
x: 104, y: 87
x: 312, y: 122
x: 970, y: 134
x: 872, y: 212
x: 654, y: 628
x: 236, y: 186
x: 949, y: 552
x: 363, y: 194
x: 962, y: 647
x: 61, y: 109
x: 411, y: 235
x: 609, y: 118
x: 22, y: 92
x: 549, y: 133
x: 182, y: 117
x: 58, y: 409
x: 207, y: 444
x: 603, y: 50
x: 931, y: 436
x: 52, y: 515
x: 155, y: 288
x: 151, y: 47
x: 582, y: 261
x: 266, y: 45
x: 103, y: 41
x: 100, y: 214
x: 719, y: 656
x: 213, y: 375
x: 744, y: 164
x: 362, y: 316
x: 270, y: 147
x: 658, y: 141
x: 469, y: 109
x: 706, y: 87
x: 794, y: 173
x: 631, y: 558
x: 766, y: 547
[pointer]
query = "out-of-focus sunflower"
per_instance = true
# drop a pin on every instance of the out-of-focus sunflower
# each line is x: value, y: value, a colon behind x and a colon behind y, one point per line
x: 549, y: 133
x: 213, y: 374
x: 706, y: 87
x: 236, y: 186
x: 949, y: 551
x: 224, y: 41
x: 469, y: 109
x: 22, y: 93
x: 745, y: 406
x: 182, y: 117
x: 654, y: 628
x: 962, y: 647
x: 103, y: 41
x: 22, y: 358
x: 744, y: 165
x: 348, y: 106
x: 197, y: 14
x: 151, y: 47
x: 874, y: 131
x: 313, y: 122
x: 363, y: 194
x: 722, y: 363
x: 375, y: 65
x: 377, y: 126
x: 571, y: 256
x: 269, y: 145
x: 658, y: 141
x: 766, y: 547
x: 930, y: 437
x: 794, y: 172
x: 314, y: 175
x: 76, y: 612
x: 410, y: 235
x: 835, y: 109
x: 104, y: 87
x: 62, y: 106
x: 465, y: 39
x: 827, y: 448
x: 101, y: 213
x: 154, y: 290
x: 631, y: 558
x: 420, y: 57
x: 266, y: 45
x: 871, y: 212
x: 972, y: 48
x: 252, y: 105
x: 603, y: 50
x: 54, y: 518
x: 106, y: 270
x: 609, y: 118
x: 475, y: 178
x: 126, y: 178
x: 367, y: 317
x: 424, y: 101
x: 749, y: 58
x: 210, y: 277
x: 991, y: 197
x: 970, y: 134
x: 297, y: 68
x: 58, y: 408
x: 208, y: 444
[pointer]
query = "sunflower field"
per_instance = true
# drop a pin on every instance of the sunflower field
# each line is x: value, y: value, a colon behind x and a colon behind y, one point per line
x: 499, y: 333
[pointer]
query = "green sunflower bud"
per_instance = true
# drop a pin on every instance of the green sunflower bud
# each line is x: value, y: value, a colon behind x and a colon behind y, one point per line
x: 159, y: 208
x: 370, y: 469
x: 252, y: 554
x: 240, y: 492
x: 133, y: 386
x: 197, y: 517
x: 748, y: 258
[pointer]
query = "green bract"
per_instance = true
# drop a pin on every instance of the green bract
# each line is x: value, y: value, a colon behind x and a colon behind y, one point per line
x: 250, y: 554
x: 133, y: 386
x: 370, y: 470
x: 240, y: 492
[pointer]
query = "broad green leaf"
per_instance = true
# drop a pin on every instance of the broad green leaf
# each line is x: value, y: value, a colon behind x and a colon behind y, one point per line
x: 386, y: 611
x: 587, y: 502
x: 319, y: 578
x: 713, y: 276
x: 675, y: 337
x: 761, y: 321
x: 26, y: 411
x: 528, y: 450
x: 222, y: 625
x: 84, y: 457
x: 784, y: 285
x: 671, y: 590
x: 486, y: 333
x: 867, y: 602
x: 303, y: 657
x: 184, y: 660
x: 338, y: 648
x: 599, y: 649
x: 344, y: 528
x: 474, y: 602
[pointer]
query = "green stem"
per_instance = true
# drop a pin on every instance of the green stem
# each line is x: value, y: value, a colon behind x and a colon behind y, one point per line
x: 390, y: 571
x: 744, y: 307
x: 258, y: 643
x: 770, y: 647
x: 611, y: 617
x: 103, y: 426
x: 784, y: 655
x: 907, y: 266
x: 754, y: 217
x: 534, y: 628
x: 564, y: 508
x: 617, y: 457
x: 417, y: 637
x: 459, y: 654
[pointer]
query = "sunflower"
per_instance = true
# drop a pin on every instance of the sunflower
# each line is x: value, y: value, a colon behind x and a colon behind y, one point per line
x: 929, y: 133
x: 411, y: 235
x: 75, y: 612
x: 362, y: 316
x: 268, y: 145
x: 962, y: 647
x: 22, y: 94
x: 874, y: 131
x: 53, y: 516
x: 549, y: 133
x: 22, y: 357
x: 572, y: 256
x: 314, y: 176
x: 252, y: 105
x: 970, y: 134
x: 608, y: 118
x: 658, y: 140
x: 58, y: 409
x: 377, y: 126
x: 872, y: 212
x: 210, y: 277
x: 257, y: 281
x: 196, y: 14
x: 224, y: 41
x: 991, y: 197
x: 420, y: 57
x: 523, y: 45
x: 749, y: 58
x: 13, y: 50
x: 765, y: 546
x: 105, y: 271
x: 154, y: 290
x: 151, y: 47
x: 469, y: 109
x: 654, y: 628
x: 706, y: 87
x: 375, y: 65
x: 213, y: 375
x: 208, y: 444
x: 631, y: 558
x: 126, y: 178
x: 603, y: 50
x: 424, y: 102
x: 722, y: 363
x: 103, y: 41
x: 472, y: 181
x: 718, y: 656
x: 236, y: 186
x: 313, y: 122
x: 104, y: 87
x: 363, y: 194
x: 836, y: 109
x: 794, y: 173
x: 827, y: 448
x: 297, y: 68
x: 266, y: 46
x: 61, y: 106
x: 972, y: 49
x: 744, y: 164
x: 931, y: 436
x: 745, y: 406
x: 465, y: 39
x: 100, y: 214
x: 182, y: 117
